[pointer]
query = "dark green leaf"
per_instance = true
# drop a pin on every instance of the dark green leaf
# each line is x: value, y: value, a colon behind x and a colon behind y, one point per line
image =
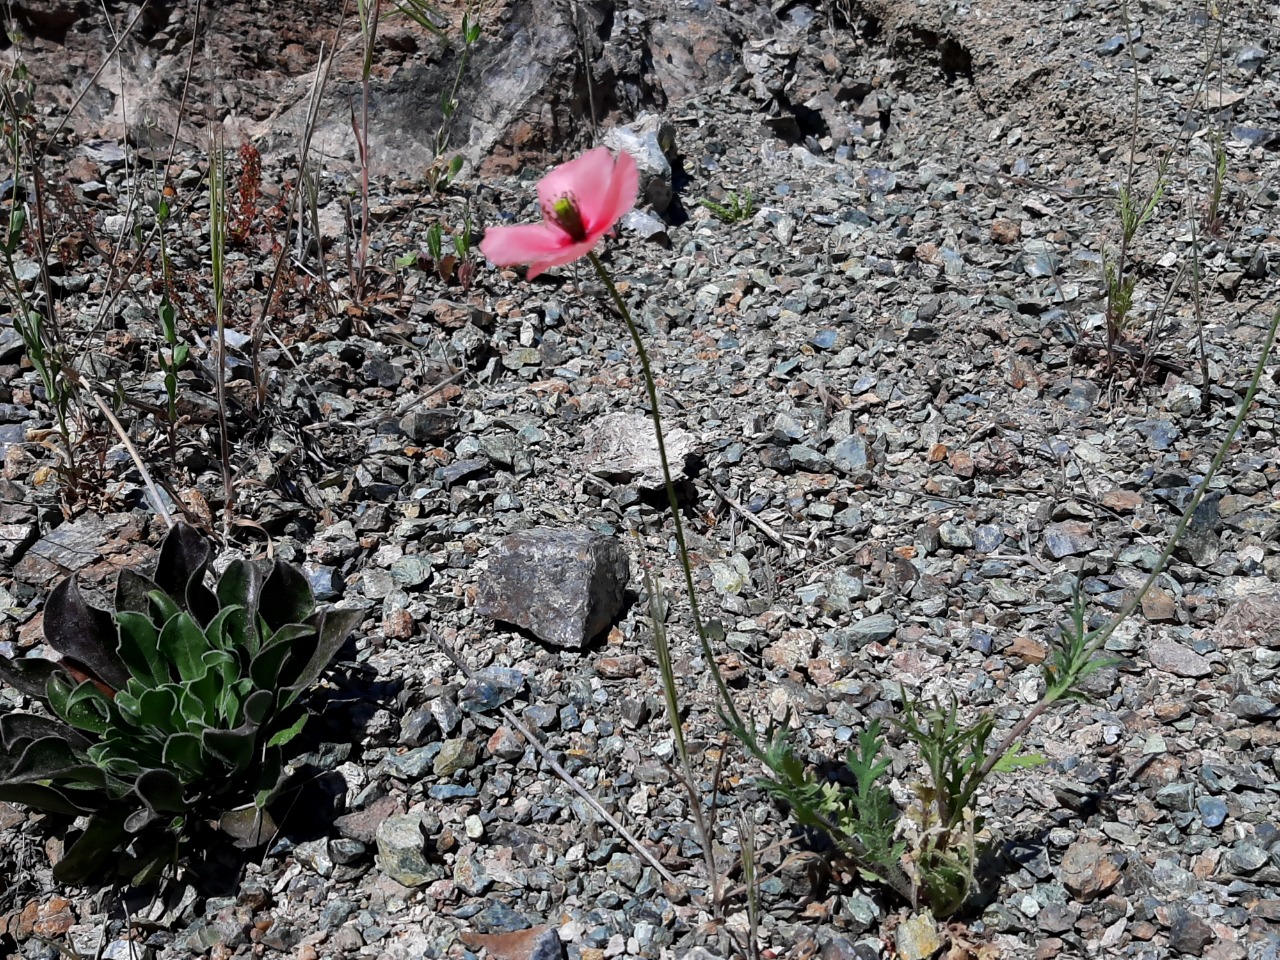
x: 237, y: 748
x: 217, y: 630
x: 282, y: 737
x: 183, y: 750
x: 139, y: 647
x: 286, y: 597
x: 183, y: 643
x: 180, y: 571
x: 83, y: 633
x: 132, y: 592
x: 114, y: 757
x: 51, y: 758
x: 159, y: 708
x: 161, y: 791
x: 163, y: 606
x: 239, y: 586
x: 28, y: 726
x: 196, y: 713
x: 51, y: 799
x: 91, y: 850
x: 29, y: 675
x: 332, y: 627
x: 78, y: 706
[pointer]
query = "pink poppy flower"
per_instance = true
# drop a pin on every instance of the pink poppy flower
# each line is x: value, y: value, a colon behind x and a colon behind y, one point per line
x: 581, y: 201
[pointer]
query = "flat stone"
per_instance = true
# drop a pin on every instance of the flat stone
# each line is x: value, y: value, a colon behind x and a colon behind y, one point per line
x: 1088, y: 870
x: 565, y: 586
x: 429, y: 426
x: 1173, y: 657
x: 1068, y: 539
x: 622, y: 447
x: 1188, y: 934
x: 625, y: 667
x: 1213, y: 812
x: 917, y: 937
x: 1249, y: 707
x: 489, y: 689
x: 362, y: 825
x: 456, y: 754
x: 873, y: 629
x: 1122, y: 501
x: 1159, y: 606
x: 1246, y: 858
x: 849, y: 455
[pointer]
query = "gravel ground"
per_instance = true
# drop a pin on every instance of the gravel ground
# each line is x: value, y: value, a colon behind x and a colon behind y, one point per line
x: 907, y: 443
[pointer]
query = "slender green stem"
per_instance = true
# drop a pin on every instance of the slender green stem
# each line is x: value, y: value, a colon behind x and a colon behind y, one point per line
x: 673, y: 501
x: 1100, y: 637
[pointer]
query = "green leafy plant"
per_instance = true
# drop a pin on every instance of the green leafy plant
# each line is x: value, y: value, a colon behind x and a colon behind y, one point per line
x: 1213, y: 215
x: 33, y: 322
x: 175, y: 357
x: 169, y: 713
x: 740, y: 207
x: 442, y: 172
x: 459, y: 265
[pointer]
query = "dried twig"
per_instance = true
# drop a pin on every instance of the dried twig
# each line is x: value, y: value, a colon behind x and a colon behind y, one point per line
x: 561, y: 772
x: 750, y: 517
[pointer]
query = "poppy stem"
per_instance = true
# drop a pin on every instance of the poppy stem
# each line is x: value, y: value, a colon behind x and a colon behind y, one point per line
x: 733, y: 718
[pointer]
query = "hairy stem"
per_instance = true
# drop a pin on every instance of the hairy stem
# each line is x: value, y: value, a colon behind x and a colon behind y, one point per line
x: 673, y: 500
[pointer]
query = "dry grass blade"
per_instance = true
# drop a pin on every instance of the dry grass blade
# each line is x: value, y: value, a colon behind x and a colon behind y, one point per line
x: 564, y: 774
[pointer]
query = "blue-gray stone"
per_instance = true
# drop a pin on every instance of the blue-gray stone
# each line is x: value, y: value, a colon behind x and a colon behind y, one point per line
x: 1212, y: 812
x: 807, y: 458
x: 490, y: 688
x: 826, y: 339
x: 451, y: 791
x: 849, y: 455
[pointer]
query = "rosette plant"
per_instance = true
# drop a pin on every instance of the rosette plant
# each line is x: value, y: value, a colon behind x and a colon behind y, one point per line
x: 169, y: 713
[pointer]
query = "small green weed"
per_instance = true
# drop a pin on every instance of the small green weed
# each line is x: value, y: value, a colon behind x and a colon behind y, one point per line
x: 739, y: 207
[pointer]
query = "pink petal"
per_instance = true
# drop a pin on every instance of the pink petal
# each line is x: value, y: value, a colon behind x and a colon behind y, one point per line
x: 567, y: 255
x: 586, y: 179
x: 525, y: 243
x: 602, y: 211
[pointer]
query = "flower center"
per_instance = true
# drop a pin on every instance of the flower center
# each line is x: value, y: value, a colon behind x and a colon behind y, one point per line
x: 564, y: 214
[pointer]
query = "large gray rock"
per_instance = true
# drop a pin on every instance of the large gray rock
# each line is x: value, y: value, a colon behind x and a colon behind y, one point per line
x: 651, y: 141
x: 565, y: 586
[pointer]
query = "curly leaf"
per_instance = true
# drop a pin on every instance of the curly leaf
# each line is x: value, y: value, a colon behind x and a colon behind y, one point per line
x: 51, y: 799
x: 183, y: 750
x: 139, y: 647
x: 332, y: 627
x: 161, y: 791
x: 184, y: 554
x: 85, y: 707
x: 51, y: 758
x: 29, y: 675
x: 16, y: 727
x: 84, y: 634
x: 133, y: 591
x: 184, y: 644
